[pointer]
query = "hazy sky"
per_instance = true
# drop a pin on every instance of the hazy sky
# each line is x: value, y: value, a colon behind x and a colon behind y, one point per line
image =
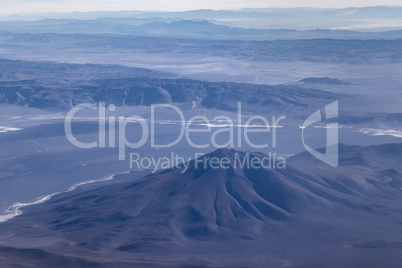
x: 8, y: 7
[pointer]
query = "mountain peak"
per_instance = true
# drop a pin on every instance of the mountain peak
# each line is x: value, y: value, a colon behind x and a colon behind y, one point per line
x: 175, y: 210
x: 223, y: 152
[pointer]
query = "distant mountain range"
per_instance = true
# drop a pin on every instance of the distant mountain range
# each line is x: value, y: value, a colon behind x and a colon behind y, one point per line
x: 236, y: 216
x: 184, y: 28
x: 77, y: 46
x: 58, y: 86
x: 18, y: 70
x: 323, y: 80
x: 384, y: 18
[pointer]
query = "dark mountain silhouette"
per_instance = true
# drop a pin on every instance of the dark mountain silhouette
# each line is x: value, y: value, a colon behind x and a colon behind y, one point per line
x: 230, y: 215
x: 323, y: 80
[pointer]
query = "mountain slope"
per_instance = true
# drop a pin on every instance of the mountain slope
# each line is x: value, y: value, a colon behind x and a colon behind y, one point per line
x: 227, y: 215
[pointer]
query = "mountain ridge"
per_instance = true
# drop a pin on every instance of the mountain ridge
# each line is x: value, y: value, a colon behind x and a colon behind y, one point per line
x: 212, y: 210
x: 137, y: 86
